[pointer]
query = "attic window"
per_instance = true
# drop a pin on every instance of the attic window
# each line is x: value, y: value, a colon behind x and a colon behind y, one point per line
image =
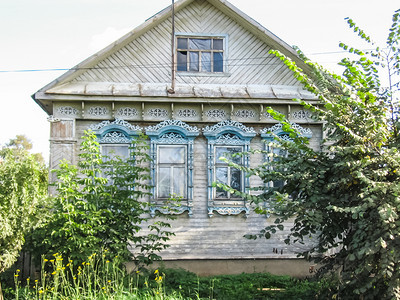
x: 200, y: 54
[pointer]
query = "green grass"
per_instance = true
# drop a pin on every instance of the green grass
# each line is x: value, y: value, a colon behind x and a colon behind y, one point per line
x: 99, y: 278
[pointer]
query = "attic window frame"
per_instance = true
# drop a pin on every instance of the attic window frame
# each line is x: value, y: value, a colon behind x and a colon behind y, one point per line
x: 223, y: 37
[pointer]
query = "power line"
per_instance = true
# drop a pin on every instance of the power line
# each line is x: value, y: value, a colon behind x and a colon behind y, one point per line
x: 239, y: 62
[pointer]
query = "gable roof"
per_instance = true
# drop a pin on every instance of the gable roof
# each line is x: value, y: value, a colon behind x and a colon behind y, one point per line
x: 224, y: 6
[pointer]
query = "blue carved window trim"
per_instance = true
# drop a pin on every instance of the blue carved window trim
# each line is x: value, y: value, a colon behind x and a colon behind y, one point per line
x: 276, y: 131
x: 117, y: 132
x: 229, y: 134
x: 171, y: 133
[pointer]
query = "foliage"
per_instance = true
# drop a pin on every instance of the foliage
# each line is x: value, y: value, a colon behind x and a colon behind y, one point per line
x: 240, y: 286
x: 23, y: 196
x: 100, y: 204
x: 95, y: 278
x: 344, y: 198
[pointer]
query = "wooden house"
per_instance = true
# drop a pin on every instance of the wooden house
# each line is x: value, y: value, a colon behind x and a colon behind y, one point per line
x: 210, y: 100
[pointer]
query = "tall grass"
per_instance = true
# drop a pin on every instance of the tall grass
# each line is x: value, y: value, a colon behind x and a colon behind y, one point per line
x: 96, y: 278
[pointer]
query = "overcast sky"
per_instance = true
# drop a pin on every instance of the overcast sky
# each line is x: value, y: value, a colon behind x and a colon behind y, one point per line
x: 58, y: 34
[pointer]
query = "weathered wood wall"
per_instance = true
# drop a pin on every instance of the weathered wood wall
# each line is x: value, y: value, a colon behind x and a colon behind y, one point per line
x: 148, y: 58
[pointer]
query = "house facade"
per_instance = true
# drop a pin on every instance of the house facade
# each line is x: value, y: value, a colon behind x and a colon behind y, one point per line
x: 205, y: 101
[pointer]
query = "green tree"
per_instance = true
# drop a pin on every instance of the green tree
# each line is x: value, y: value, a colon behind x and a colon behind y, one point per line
x: 345, y: 197
x: 100, y: 205
x: 23, y: 198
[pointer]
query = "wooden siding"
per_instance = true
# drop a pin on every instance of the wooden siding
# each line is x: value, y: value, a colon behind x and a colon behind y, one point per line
x: 147, y: 58
x: 219, y: 237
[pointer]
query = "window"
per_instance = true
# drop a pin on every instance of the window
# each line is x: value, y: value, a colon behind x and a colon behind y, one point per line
x: 171, y: 152
x: 227, y: 174
x: 269, y: 134
x: 200, y: 54
x: 224, y: 140
x: 171, y: 171
x: 115, y: 137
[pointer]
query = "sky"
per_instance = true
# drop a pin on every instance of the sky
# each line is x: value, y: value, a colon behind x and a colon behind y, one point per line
x: 39, y: 36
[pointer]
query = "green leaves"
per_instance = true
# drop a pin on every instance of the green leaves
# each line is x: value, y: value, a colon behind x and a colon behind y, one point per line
x: 346, y: 196
x: 101, y: 204
x: 23, y: 200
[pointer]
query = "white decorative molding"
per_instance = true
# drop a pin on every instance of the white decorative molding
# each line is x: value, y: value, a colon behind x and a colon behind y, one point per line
x: 127, y: 112
x: 230, y: 123
x: 116, y: 122
x: 98, y: 111
x: 67, y: 111
x: 245, y: 114
x: 269, y: 116
x: 171, y: 138
x: 173, y: 123
x: 115, y: 137
x: 229, y: 139
x: 278, y: 128
x: 301, y: 115
x: 187, y: 113
x: 157, y: 112
x: 216, y: 113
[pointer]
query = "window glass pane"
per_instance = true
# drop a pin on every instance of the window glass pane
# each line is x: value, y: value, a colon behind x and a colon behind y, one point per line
x: 182, y: 43
x: 200, y: 44
x: 120, y: 150
x: 236, y: 181
x: 164, y: 182
x: 221, y: 175
x: 218, y: 44
x: 172, y: 155
x: 182, y: 61
x: 206, y: 61
x: 218, y: 62
x: 227, y: 153
x: 194, y: 61
x: 179, y: 182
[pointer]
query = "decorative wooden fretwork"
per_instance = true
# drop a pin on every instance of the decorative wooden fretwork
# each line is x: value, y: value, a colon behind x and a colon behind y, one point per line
x: 115, y: 132
x: 186, y: 113
x: 98, y: 111
x: 245, y: 114
x: 269, y: 116
x: 127, y: 112
x: 157, y: 113
x: 67, y: 111
x: 216, y: 113
x: 301, y: 115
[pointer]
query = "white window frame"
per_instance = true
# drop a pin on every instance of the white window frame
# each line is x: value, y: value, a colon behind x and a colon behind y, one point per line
x: 188, y: 72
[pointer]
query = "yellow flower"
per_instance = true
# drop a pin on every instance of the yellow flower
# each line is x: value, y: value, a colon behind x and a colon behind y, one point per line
x: 54, y: 273
x: 107, y: 261
x: 41, y: 292
x: 156, y: 271
x: 16, y: 275
x: 18, y: 270
x: 46, y: 259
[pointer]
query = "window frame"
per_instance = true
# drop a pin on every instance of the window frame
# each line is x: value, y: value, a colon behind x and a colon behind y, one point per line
x: 171, y: 167
x: 268, y: 135
x: 171, y: 133
x: 227, y: 133
x: 223, y: 37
